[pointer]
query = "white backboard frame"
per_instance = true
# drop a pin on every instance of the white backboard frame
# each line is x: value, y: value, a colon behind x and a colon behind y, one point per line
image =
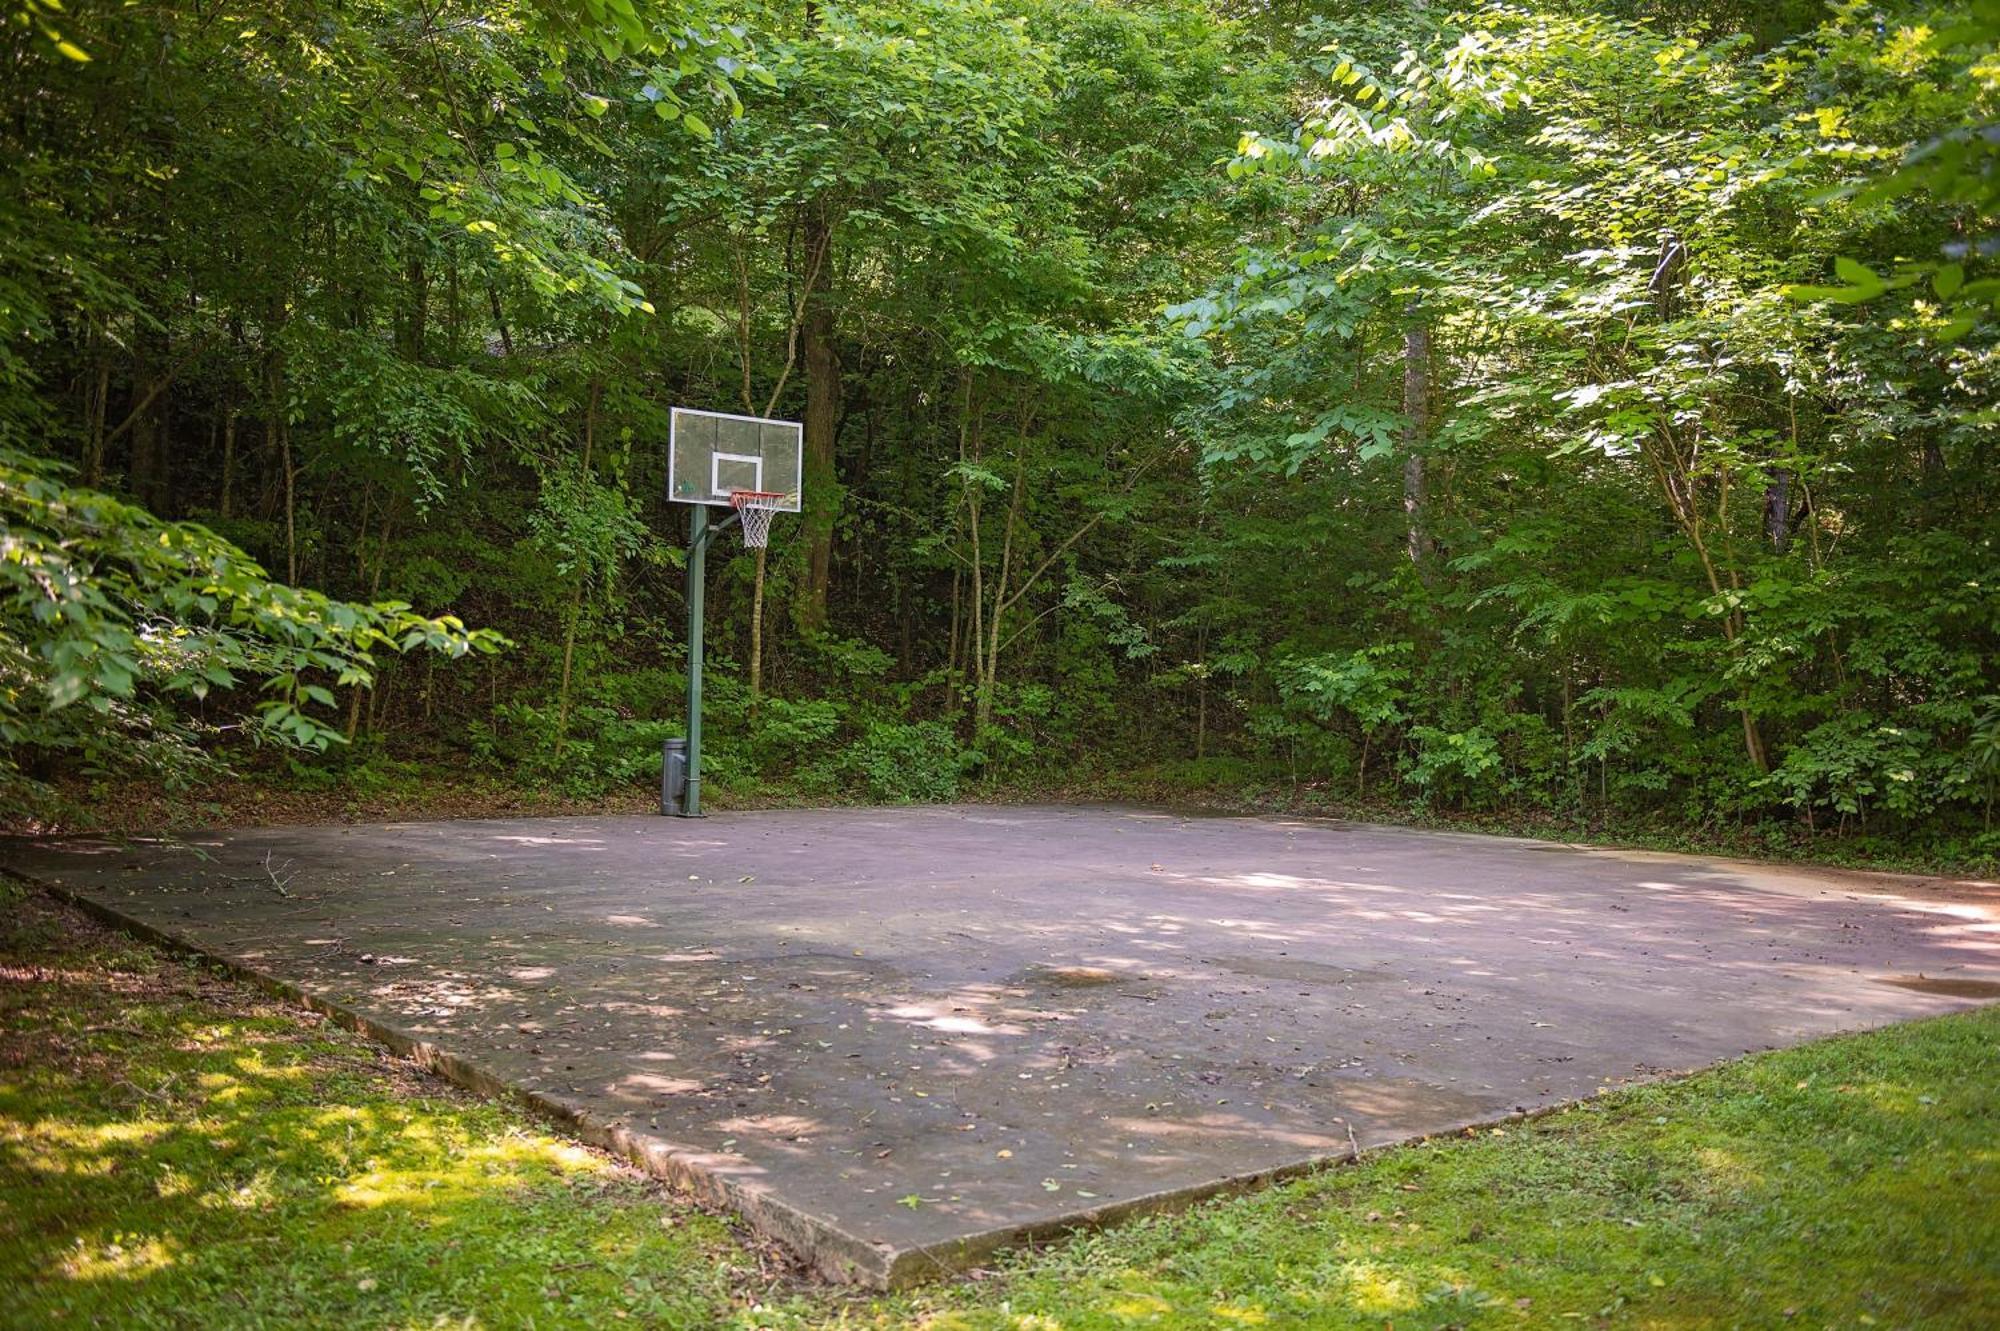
x: 781, y: 446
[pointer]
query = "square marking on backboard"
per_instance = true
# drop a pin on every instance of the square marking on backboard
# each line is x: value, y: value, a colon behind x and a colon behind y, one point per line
x: 730, y: 472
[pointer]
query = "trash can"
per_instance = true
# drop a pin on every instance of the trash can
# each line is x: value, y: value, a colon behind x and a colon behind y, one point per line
x: 673, y: 777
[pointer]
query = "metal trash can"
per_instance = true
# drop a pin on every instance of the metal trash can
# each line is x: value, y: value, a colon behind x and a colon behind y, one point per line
x: 673, y: 777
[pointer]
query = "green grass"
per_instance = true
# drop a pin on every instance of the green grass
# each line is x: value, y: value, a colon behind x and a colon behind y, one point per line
x: 1851, y: 1180
x: 176, y: 1150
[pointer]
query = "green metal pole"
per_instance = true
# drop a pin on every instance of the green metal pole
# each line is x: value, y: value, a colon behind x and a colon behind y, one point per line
x: 696, y: 581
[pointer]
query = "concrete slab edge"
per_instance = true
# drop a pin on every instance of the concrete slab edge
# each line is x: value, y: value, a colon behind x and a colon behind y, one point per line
x: 821, y: 1244
x: 913, y: 1266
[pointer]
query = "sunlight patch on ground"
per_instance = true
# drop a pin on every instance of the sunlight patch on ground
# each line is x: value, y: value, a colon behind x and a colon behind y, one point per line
x: 90, y: 1141
x: 1139, y: 1307
x: 1373, y: 1289
x: 123, y: 1257
x: 1726, y: 1169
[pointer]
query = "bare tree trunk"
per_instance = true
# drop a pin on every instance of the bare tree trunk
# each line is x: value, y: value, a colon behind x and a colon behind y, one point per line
x: 989, y: 668
x: 822, y: 417
x: 145, y: 443
x: 1778, y: 508
x: 97, y: 401
x: 1201, y: 696
x: 906, y: 646
x: 146, y: 418
x: 757, y: 633
x: 354, y: 700
x: 214, y: 432
x: 575, y: 613
x: 951, y: 644
x: 1680, y: 488
x: 228, y: 500
x: 1932, y: 463
x: 1416, y: 431
x: 288, y: 475
x: 499, y: 320
x: 740, y: 255
x: 150, y: 474
x: 415, y: 321
x: 374, y: 581
x: 969, y: 448
x: 570, y: 618
x: 453, y: 315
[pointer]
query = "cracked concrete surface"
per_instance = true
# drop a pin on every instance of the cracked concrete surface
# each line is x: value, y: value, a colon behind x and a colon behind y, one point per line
x: 900, y: 1038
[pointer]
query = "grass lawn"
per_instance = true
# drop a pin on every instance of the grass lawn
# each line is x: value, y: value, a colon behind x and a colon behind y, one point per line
x: 178, y: 1150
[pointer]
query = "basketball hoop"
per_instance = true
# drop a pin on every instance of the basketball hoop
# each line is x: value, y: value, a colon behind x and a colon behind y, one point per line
x: 755, y: 465
x: 755, y: 508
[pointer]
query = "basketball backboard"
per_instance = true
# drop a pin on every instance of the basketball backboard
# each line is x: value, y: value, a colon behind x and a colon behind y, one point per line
x: 713, y: 455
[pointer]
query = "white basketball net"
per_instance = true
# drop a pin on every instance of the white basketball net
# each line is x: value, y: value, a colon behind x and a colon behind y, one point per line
x: 755, y: 508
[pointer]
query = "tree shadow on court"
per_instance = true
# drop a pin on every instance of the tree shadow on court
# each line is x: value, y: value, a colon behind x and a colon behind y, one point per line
x: 175, y: 1151
x: 1199, y: 1010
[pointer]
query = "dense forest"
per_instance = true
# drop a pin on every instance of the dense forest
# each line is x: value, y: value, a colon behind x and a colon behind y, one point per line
x: 1559, y: 410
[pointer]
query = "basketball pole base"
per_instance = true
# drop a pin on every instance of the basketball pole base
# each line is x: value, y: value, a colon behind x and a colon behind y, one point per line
x: 700, y: 533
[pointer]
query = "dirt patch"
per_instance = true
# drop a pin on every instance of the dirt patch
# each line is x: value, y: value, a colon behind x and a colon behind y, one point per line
x: 1944, y: 988
x: 1074, y: 977
x: 1306, y: 972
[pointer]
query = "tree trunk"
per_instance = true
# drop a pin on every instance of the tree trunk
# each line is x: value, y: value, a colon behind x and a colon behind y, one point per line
x: 989, y: 668
x: 1778, y: 508
x: 374, y: 581
x: 757, y: 633
x: 499, y: 319
x: 152, y: 370
x: 968, y: 447
x: 145, y: 446
x: 1680, y: 488
x: 414, y: 324
x: 281, y: 432
x: 905, y: 626
x: 1201, y: 717
x: 99, y: 399
x: 1416, y: 431
x: 228, y: 500
x: 957, y: 615
x: 822, y: 408
x: 453, y: 314
x: 570, y: 618
x: 574, y: 615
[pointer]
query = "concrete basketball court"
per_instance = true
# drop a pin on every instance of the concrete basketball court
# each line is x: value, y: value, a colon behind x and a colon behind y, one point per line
x: 898, y: 1039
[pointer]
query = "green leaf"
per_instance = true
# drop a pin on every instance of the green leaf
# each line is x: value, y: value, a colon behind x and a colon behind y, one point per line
x: 1855, y: 273
x: 1956, y: 329
x: 66, y: 687
x: 1839, y: 295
